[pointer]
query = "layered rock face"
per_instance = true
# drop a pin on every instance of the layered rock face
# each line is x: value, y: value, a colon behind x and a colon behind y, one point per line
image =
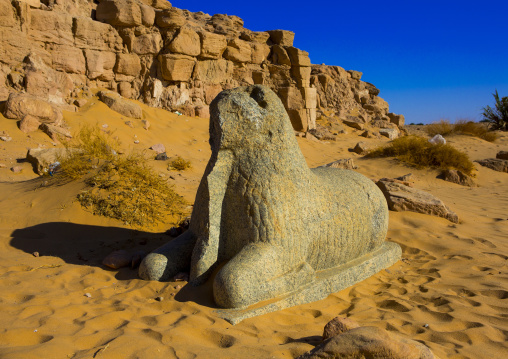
x: 170, y: 58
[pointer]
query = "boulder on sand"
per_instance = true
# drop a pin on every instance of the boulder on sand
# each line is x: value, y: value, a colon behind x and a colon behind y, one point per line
x: 119, y: 104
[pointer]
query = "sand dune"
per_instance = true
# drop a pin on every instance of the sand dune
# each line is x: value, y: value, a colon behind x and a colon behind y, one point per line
x: 449, y: 292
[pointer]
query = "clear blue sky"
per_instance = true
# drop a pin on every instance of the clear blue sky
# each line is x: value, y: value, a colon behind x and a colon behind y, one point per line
x: 431, y: 60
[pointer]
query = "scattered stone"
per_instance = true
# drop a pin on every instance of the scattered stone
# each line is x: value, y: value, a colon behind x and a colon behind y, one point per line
x: 161, y: 157
x: 20, y: 105
x: 181, y: 277
x: 6, y: 138
x: 17, y: 169
x: 361, y: 148
x: 407, y: 178
x: 3, y: 165
x: 35, y: 254
x: 438, y: 140
x: 117, y: 259
x: 347, y: 164
x: 119, y: 104
x: 42, y: 158
x: 391, y: 133
x: 178, y: 287
x: 502, y: 155
x: 495, y: 164
x: 146, y: 124
x: 323, y: 134
x: 80, y: 102
x: 369, y: 342
x: 136, y: 142
x: 129, y: 123
x: 404, y: 198
x: 88, y: 295
x: 55, y: 132
x: 137, y: 257
x: 29, y: 124
x: 159, y: 299
x: 158, y: 148
x: 369, y: 134
x: 458, y: 177
x: 354, y: 122
x: 396, y: 119
x: 338, y: 325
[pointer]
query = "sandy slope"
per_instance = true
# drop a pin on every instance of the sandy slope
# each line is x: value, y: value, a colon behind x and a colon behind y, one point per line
x: 449, y: 292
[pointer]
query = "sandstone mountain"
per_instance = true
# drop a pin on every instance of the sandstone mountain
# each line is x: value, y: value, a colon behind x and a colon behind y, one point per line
x: 58, y: 51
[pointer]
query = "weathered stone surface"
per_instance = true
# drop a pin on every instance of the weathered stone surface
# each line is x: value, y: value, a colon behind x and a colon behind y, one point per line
x: 42, y: 158
x: 170, y: 18
x: 94, y: 35
x: 355, y: 75
x: 280, y: 56
x: 502, y: 155
x: 176, y: 67
x: 361, y: 148
x: 302, y: 75
x: 238, y: 51
x: 186, y: 42
x: 347, y: 164
x: 495, y: 164
x: 369, y: 342
x: 119, y: 12
x: 259, y: 53
x: 20, y: 105
x: 403, y: 198
x: 29, y: 124
x: 68, y: 59
x: 128, y: 64
x: 391, y: 133
x: 158, y: 4
x: 211, y: 91
x: 282, y: 37
x: 354, y: 122
x: 99, y: 64
x: 291, y: 98
x: 396, y: 119
x: 51, y: 27
x: 458, y: 177
x: 125, y: 89
x: 56, y: 133
x: 338, y: 325
x: 255, y: 36
x: 298, y: 57
x: 213, y: 71
x: 212, y: 45
x: 272, y: 240
x: 147, y: 15
x: 7, y: 12
x: 146, y: 44
x: 118, y: 104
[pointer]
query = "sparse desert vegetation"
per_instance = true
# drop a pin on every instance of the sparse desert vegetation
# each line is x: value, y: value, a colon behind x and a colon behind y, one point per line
x: 419, y: 152
x: 461, y: 127
x: 123, y: 187
x: 179, y: 164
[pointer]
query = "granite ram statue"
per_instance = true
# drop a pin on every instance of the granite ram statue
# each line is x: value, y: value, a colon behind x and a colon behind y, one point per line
x: 280, y: 229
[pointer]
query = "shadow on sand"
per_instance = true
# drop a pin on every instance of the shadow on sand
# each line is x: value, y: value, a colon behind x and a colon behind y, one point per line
x: 88, y: 245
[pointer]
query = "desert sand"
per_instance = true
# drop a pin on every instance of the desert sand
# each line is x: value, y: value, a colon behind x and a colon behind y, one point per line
x: 450, y: 290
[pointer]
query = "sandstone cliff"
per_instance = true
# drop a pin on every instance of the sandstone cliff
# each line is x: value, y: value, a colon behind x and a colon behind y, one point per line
x: 171, y: 58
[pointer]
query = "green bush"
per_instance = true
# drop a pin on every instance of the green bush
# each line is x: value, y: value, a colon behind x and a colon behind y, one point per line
x: 497, y: 118
x: 419, y: 152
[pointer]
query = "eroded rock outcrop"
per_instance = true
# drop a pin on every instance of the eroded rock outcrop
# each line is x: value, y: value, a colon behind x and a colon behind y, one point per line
x: 171, y: 58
